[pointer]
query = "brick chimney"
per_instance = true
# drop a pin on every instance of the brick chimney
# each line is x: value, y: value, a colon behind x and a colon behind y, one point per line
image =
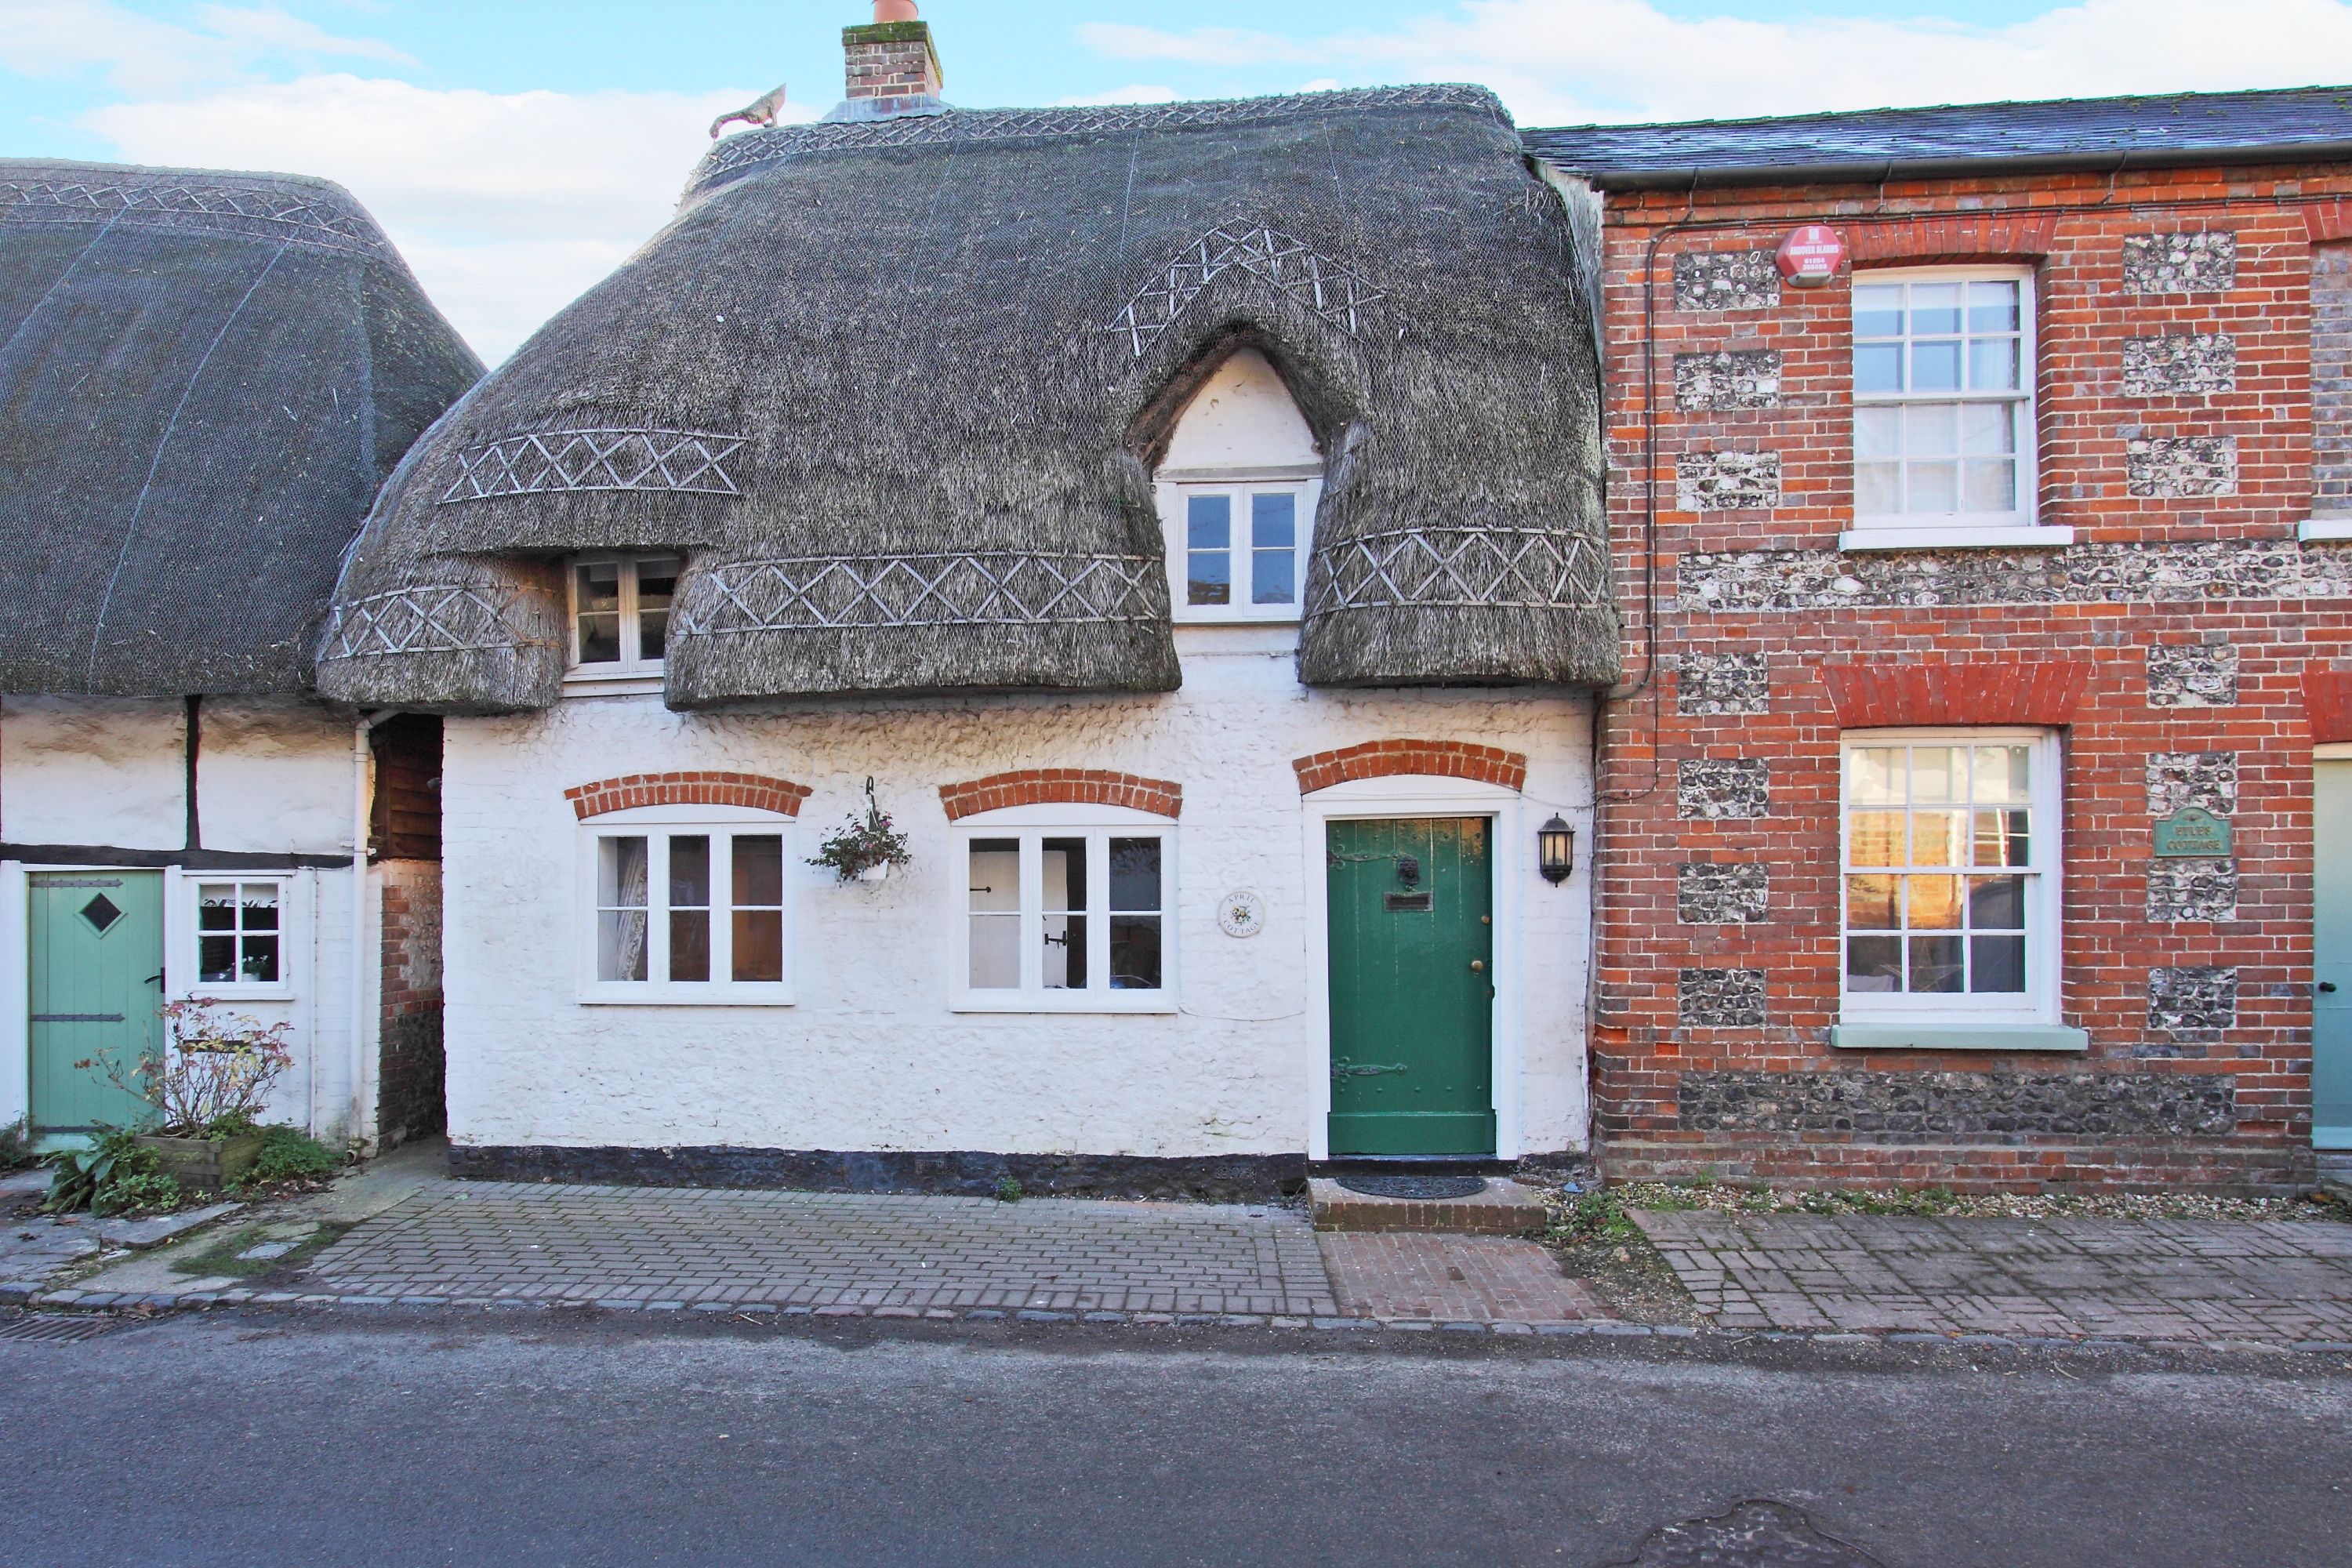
x: 891, y: 65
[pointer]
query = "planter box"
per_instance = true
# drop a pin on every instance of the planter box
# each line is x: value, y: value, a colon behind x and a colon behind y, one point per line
x: 204, y: 1164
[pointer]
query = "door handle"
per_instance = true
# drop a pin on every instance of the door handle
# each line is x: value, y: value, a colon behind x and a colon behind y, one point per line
x: 155, y: 979
x: 1477, y: 967
x: 2327, y: 987
x: 1343, y: 1068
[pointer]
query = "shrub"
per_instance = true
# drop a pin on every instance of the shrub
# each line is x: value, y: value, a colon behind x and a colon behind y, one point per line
x: 15, y: 1146
x: 212, y: 1080
x: 1008, y: 1189
x: 288, y: 1153
x: 113, y: 1175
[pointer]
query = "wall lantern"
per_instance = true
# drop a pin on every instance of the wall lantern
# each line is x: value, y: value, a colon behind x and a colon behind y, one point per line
x: 1810, y: 255
x: 1555, y: 850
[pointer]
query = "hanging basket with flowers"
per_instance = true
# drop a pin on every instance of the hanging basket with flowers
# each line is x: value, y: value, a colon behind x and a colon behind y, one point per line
x: 863, y: 850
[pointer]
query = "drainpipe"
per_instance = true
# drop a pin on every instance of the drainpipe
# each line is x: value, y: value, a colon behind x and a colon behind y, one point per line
x: 361, y: 729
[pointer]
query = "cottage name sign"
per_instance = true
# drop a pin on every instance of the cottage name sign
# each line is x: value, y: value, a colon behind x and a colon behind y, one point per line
x: 2192, y: 832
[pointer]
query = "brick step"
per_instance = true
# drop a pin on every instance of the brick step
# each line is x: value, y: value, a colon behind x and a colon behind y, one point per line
x: 1504, y: 1209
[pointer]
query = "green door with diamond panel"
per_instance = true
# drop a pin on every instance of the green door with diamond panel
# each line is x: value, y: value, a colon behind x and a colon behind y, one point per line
x: 1413, y: 986
x: 97, y: 975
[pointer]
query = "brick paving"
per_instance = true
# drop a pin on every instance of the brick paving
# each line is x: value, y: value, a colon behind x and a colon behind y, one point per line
x: 1398, y: 1276
x: 648, y: 1247
x: 2265, y: 1282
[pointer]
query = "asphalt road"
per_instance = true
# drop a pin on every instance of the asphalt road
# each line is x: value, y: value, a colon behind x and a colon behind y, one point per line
x: 250, y: 1438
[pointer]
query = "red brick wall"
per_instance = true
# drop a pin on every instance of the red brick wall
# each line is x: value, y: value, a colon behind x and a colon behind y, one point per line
x: 410, y: 1067
x: 1883, y: 652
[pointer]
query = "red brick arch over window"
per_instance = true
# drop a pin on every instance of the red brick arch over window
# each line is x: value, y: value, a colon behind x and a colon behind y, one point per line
x: 1941, y: 692
x: 1955, y: 238
x: 1391, y: 759
x: 691, y: 788
x: 1062, y: 786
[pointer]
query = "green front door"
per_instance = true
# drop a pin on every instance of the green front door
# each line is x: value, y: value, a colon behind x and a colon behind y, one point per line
x: 2331, y: 942
x: 1413, y: 978
x: 97, y: 988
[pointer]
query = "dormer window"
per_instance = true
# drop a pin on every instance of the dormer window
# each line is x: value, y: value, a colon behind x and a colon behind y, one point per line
x: 1237, y: 495
x: 620, y: 613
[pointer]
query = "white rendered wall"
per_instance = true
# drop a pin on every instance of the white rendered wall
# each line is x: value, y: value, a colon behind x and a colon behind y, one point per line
x: 274, y: 777
x: 93, y: 770
x: 1242, y: 417
x: 871, y: 1057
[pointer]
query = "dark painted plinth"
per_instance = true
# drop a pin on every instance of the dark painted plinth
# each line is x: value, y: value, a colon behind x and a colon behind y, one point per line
x: 1209, y: 1178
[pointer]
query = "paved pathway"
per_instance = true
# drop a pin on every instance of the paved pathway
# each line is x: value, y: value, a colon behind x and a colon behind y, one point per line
x: 1453, y: 1280
x: 686, y: 1246
x: 2273, y: 1281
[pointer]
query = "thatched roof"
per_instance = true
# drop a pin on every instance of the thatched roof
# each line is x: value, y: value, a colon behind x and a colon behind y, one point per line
x: 895, y: 387
x: 203, y: 380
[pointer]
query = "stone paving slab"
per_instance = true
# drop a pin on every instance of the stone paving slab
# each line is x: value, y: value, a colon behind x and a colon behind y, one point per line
x: 660, y: 1248
x: 2262, y: 1281
x: 1390, y: 1275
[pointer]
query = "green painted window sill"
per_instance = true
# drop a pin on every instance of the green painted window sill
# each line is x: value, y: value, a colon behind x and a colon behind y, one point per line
x: 1961, y: 1037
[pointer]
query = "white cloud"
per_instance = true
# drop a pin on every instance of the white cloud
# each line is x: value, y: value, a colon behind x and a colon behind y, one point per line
x: 139, y: 54
x: 1556, y: 61
x: 1138, y: 93
x: 508, y: 205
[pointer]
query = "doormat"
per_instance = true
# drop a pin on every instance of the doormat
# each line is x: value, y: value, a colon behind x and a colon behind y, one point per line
x: 1422, y: 1187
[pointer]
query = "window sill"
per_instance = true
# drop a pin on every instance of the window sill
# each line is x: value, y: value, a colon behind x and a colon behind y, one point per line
x: 2324, y: 530
x: 204, y: 993
x: 1991, y: 536
x: 624, y: 683
x: 1890, y: 1037
x: 1110, y: 1005
x: 743, y: 996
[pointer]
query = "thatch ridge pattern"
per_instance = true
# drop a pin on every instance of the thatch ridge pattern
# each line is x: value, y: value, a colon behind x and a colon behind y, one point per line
x: 298, y: 212
x: 428, y: 618
x: 951, y: 589
x: 749, y: 149
x: 1489, y: 568
x: 629, y: 458
x: 1336, y: 291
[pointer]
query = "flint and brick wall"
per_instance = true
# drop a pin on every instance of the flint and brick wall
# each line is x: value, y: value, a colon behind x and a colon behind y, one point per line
x: 409, y: 1094
x: 2194, y: 328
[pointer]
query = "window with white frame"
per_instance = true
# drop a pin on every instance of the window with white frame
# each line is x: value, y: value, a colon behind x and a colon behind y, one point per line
x: 1950, y: 850
x: 1240, y: 551
x: 1067, y: 911
x: 1943, y: 394
x: 687, y: 905
x: 620, y: 613
x: 240, y: 933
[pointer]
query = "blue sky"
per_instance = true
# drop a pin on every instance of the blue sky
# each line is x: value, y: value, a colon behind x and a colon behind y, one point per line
x: 518, y: 150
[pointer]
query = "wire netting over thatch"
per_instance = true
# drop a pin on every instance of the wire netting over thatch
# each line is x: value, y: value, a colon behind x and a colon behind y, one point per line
x: 895, y: 388
x: 203, y: 380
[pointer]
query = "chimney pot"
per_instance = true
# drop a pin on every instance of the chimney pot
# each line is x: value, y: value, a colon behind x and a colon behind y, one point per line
x: 895, y: 11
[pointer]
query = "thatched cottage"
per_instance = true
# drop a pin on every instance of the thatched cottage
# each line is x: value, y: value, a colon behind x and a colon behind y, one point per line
x: 203, y: 380
x: 1188, y: 517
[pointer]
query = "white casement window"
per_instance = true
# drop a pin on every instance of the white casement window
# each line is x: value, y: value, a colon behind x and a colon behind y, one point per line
x: 240, y: 929
x: 687, y: 904
x: 620, y: 613
x: 1943, y: 398
x: 1950, y: 869
x: 1237, y: 551
x: 1066, y: 908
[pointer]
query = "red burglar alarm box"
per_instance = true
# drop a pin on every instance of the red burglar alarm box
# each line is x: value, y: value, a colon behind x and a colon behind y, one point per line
x: 1811, y: 256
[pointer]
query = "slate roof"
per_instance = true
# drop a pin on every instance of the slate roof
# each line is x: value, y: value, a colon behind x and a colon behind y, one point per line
x: 2060, y: 134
